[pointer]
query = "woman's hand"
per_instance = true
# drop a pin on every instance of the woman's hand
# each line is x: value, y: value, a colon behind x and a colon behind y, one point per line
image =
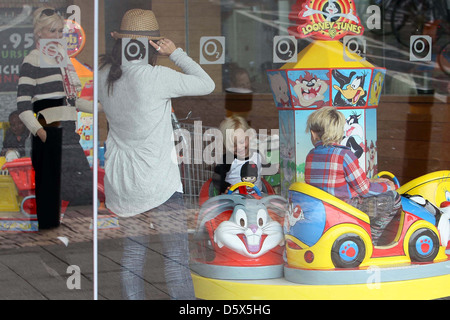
x: 165, y: 47
x: 42, y: 134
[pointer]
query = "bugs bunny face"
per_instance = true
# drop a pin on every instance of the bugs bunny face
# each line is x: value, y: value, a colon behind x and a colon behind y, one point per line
x: 250, y: 231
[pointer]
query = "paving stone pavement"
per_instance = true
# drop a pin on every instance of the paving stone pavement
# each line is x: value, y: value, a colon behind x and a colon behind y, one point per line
x: 41, y: 265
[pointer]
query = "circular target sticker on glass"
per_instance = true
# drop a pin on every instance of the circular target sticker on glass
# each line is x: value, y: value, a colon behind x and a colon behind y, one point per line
x: 420, y: 48
x: 134, y: 51
x: 212, y: 50
x: 354, y: 48
x: 284, y: 49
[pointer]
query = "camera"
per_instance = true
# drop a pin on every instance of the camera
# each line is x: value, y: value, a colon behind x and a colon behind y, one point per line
x: 354, y: 48
x: 284, y: 49
x: 212, y: 50
x: 134, y: 51
x: 420, y: 48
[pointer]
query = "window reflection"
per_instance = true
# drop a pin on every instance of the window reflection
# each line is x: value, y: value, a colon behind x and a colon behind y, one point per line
x: 233, y: 40
x: 45, y: 256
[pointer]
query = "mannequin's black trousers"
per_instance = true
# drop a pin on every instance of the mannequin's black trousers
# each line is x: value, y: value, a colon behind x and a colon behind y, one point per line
x: 62, y: 172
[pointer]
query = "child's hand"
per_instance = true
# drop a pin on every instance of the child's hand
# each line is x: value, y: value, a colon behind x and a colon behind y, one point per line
x: 385, y: 180
x: 226, y: 191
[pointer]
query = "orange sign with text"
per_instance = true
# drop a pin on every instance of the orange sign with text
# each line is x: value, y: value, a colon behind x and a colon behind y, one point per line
x: 325, y: 19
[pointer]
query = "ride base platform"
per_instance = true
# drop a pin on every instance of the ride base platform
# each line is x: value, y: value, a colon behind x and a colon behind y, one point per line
x: 400, y: 282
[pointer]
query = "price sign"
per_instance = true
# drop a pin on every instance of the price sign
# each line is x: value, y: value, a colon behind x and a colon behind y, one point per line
x: 15, y: 44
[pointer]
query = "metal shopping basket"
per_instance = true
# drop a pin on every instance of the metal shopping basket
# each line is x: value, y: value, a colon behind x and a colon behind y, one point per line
x: 193, y: 138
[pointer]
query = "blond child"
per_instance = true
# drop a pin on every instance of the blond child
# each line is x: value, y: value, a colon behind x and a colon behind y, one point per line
x: 335, y: 169
x: 241, y: 161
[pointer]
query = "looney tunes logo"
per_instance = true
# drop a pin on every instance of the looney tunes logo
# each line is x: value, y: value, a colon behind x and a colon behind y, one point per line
x: 328, y: 19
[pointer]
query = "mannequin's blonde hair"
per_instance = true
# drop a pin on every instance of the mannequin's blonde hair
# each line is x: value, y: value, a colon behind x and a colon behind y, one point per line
x: 328, y: 123
x: 41, y: 20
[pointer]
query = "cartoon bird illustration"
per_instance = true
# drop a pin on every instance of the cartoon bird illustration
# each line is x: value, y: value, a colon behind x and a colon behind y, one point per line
x: 375, y: 92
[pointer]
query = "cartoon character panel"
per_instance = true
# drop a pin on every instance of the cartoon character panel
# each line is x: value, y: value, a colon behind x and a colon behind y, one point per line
x: 280, y: 89
x: 309, y: 88
x: 287, y: 150
x: 360, y: 136
x: 305, y: 222
x: 350, y: 87
x: 442, y: 191
x: 354, y: 133
x: 376, y: 86
x: 303, y: 142
x: 371, y: 143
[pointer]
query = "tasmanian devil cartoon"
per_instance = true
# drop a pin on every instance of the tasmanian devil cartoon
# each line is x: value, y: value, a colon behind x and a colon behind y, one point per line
x: 310, y: 90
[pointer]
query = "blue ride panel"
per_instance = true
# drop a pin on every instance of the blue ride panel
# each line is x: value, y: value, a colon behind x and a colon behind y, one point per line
x: 311, y: 224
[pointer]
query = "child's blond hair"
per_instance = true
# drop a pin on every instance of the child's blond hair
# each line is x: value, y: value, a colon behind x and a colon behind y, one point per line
x: 234, y: 124
x: 328, y: 123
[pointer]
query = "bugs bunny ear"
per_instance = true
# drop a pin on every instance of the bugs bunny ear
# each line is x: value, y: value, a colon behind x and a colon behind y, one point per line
x: 214, y: 207
x: 276, y: 204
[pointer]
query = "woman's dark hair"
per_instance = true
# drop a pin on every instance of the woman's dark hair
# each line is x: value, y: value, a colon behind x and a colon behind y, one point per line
x: 115, y: 60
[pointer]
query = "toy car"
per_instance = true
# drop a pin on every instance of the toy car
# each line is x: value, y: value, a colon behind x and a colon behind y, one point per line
x: 323, y: 232
x: 19, y: 186
x: 240, y: 236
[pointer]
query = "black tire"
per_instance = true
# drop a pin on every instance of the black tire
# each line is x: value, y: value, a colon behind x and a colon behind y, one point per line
x: 348, y: 251
x: 423, y: 245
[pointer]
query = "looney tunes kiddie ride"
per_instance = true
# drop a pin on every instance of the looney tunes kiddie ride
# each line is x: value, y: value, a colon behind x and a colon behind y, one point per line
x: 328, y: 246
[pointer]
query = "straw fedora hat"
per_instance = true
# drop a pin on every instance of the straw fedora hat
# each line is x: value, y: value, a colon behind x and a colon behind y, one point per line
x: 138, y: 23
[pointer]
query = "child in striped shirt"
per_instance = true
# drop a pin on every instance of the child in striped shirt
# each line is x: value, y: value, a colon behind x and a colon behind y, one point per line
x: 335, y: 169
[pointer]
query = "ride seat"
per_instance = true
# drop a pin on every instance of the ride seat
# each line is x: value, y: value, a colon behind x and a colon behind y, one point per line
x: 324, y: 196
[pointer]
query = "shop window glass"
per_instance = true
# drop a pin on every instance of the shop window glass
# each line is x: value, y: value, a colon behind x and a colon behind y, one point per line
x: 236, y: 42
x: 43, y: 257
x: 416, y: 65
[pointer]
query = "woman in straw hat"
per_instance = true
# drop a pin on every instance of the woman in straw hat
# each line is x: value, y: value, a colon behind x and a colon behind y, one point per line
x: 141, y: 172
x: 49, y: 86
